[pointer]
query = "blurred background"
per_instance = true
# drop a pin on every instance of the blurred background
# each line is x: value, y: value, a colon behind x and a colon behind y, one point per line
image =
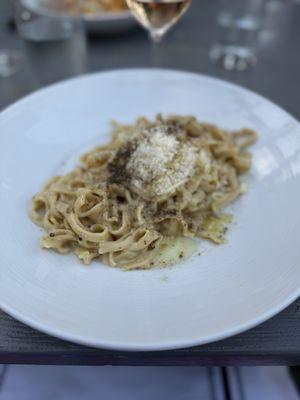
x: 270, y: 29
x: 254, y: 43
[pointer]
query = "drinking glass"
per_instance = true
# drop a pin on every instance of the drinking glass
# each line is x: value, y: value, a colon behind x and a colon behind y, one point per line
x: 157, y: 16
x: 239, y: 23
x: 53, y: 38
x: 9, y: 62
x: 10, y: 59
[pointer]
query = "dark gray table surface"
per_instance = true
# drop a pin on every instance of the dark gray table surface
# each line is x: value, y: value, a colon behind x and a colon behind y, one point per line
x: 276, y: 76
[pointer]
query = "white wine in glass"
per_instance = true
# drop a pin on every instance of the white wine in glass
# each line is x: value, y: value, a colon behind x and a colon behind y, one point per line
x: 157, y: 16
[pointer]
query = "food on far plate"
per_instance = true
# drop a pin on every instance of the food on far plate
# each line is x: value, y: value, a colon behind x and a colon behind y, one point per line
x: 138, y: 201
x: 90, y: 7
x: 96, y: 6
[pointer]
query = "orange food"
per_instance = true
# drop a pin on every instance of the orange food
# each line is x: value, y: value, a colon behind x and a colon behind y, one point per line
x: 89, y: 7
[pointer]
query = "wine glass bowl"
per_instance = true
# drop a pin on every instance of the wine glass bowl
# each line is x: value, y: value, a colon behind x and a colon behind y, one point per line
x: 157, y: 16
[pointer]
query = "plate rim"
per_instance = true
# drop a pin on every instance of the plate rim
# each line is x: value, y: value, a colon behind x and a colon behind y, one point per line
x: 146, y: 346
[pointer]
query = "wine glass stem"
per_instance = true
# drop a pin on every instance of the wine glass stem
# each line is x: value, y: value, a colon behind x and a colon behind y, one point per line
x: 156, y: 39
x: 155, y: 36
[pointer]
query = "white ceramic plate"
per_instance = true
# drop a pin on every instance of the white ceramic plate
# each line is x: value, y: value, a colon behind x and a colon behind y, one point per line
x: 104, y: 23
x: 225, y: 290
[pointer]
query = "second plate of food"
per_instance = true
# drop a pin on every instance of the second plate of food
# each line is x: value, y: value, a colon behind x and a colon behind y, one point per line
x: 100, y: 17
x: 172, y: 230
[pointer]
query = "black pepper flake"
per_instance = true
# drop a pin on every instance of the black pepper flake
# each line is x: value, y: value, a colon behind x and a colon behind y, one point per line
x: 173, y: 128
x: 52, y: 234
x: 120, y: 199
x: 167, y: 213
x: 80, y: 239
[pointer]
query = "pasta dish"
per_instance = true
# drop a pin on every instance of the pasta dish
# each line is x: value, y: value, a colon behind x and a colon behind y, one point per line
x: 154, y: 182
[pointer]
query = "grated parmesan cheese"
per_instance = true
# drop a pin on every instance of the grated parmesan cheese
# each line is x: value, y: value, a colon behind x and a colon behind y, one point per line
x: 155, y: 149
x: 160, y: 162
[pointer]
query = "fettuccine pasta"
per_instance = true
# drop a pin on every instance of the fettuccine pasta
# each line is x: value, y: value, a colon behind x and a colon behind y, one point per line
x: 152, y: 182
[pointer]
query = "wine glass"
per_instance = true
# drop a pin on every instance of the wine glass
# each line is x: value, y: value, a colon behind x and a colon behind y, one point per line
x: 157, y: 16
